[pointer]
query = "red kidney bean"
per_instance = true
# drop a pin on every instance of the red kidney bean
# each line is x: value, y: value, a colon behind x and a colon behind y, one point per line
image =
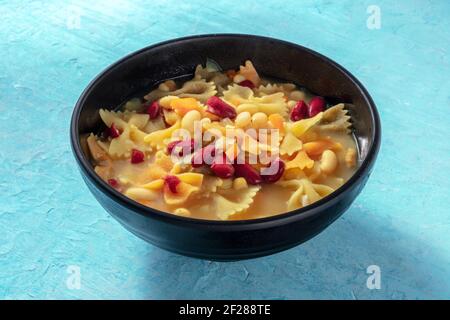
x: 220, y: 108
x: 113, y: 183
x: 279, y: 166
x: 137, y: 156
x: 197, y: 159
x: 184, y: 144
x: 172, y: 145
x: 153, y: 110
x: 204, y: 156
x: 247, y: 83
x: 246, y: 171
x: 316, y: 105
x: 223, y: 169
x: 172, y: 183
x: 113, y: 131
x: 299, y: 111
x: 191, y: 144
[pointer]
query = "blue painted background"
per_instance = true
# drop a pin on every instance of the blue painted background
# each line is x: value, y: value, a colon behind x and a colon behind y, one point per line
x: 49, y: 221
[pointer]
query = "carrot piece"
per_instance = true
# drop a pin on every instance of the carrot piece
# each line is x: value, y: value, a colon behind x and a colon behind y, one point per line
x: 184, y: 105
x: 188, y: 103
x: 211, y: 116
x: 277, y: 121
x: 316, y: 148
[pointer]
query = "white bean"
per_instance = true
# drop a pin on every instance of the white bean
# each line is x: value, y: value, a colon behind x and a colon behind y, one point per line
x: 328, y: 162
x: 243, y: 119
x: 259, y: 120
x: 165, y: 101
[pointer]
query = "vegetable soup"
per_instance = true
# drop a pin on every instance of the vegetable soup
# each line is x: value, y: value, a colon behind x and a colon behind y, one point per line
x: 225, y: 145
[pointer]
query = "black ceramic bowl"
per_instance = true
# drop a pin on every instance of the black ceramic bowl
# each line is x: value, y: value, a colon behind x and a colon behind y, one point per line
x: 226, y: 240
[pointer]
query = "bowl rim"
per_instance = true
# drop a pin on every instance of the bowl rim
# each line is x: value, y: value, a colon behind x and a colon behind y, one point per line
x: 297, y: 214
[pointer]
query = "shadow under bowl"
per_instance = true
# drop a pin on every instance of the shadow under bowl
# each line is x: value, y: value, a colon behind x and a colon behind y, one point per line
x: 226, y: 240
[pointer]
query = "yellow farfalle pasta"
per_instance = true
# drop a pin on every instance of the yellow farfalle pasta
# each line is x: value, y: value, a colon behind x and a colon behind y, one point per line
x: 158, y: 138
x: 248, y: 71
x: 250, y: 145
x: 220, y: 80
x: 197, y: 88
x: 104, y: 166
x: 300, y: 161
x: 228, y: 203
x: 139, y: 120
x: 210, y: 185
x: 122, y: 146
x: 131, y: 136
x: 154, y: 125
x: 335, y: 118
x: 306, y: 192
x: 110, y: 117
x: 268, y: 89
x: 290, y: 144
x: 244, y: 100
x: 299, y: 128
x: 236, y: 94
x: 184, y: 191
x: 269, y: 104
x: 161, y: 169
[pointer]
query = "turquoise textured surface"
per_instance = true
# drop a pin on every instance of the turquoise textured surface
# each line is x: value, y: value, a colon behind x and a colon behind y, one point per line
x: 51, y: 227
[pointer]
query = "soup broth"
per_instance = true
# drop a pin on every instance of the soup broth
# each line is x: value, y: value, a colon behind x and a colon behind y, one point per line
x: 225, y: 146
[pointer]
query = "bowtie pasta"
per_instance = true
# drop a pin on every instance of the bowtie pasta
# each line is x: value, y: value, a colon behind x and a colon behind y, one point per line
x: 225, y: 145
